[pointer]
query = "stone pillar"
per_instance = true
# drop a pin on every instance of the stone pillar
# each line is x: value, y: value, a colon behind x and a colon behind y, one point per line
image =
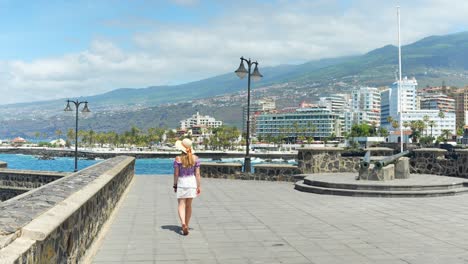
x: 402, y: 169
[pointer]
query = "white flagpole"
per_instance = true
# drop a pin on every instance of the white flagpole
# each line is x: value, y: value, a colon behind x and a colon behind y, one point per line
x: 399, y: 82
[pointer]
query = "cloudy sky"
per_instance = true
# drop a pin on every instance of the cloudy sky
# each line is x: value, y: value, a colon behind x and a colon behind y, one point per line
x: 59, y: 49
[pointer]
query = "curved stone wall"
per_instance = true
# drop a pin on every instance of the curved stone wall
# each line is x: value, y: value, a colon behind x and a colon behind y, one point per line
x: 57, y: 222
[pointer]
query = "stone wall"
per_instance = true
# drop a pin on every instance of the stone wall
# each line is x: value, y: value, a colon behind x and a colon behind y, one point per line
x: 439, y: 162
x: 214, y: 169
x: 57, y: 222
x: 7, y: 193
x: 28, y: 178
x: 3, y: 164
x: 268, y: 172
x: 329, y: 159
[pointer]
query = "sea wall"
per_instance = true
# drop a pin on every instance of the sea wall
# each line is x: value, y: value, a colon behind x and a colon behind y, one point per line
x: 28, y: 178
x: 268, y: 172
x: 58, y: 222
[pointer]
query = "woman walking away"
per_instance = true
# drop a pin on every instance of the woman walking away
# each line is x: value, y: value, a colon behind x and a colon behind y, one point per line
x: 186, y: 181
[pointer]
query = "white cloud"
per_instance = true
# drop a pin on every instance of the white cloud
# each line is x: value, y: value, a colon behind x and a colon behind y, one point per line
x: 271, y: 33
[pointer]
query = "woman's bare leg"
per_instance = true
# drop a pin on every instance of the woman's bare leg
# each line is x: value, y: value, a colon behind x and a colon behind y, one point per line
x: 181, y: 209
x: 188, y: 210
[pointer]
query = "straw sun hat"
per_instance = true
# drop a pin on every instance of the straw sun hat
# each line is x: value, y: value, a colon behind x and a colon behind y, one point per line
x: 184, y: 145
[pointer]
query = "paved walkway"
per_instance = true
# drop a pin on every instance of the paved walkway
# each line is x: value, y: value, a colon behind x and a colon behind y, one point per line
x: 268, y: 222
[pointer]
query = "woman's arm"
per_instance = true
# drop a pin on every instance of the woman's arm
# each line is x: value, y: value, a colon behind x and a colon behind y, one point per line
x: 198, y: 177
x: 176, y: 177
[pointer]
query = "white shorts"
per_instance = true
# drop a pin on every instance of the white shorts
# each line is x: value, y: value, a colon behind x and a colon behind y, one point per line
x: 186, y: 192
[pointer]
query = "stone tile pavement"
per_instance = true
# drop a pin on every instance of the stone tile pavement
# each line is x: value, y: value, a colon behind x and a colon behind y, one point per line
x: 238, y: 221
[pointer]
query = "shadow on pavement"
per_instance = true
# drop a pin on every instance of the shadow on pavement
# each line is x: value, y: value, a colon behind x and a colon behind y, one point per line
x: 174, y: 228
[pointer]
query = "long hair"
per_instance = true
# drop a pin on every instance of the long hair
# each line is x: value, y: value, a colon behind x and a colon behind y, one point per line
x: 187, y: 160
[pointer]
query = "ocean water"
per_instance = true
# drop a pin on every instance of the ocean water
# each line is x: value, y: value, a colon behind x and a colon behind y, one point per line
x: 67, y: 164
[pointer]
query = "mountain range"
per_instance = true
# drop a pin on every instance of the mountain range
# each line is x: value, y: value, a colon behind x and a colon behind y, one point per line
x: 431, y: 60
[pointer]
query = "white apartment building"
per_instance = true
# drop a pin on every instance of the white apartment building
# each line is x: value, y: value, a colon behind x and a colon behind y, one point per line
x: 365, y: 105
x: 199, y: 120
x: 403, y: 95
x: 446, y: 123
x: 337, y: 103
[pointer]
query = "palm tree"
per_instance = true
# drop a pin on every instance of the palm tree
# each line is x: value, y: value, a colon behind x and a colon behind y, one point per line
x: 446, y: 133
x: 432, y: 124
x: 58, y: 132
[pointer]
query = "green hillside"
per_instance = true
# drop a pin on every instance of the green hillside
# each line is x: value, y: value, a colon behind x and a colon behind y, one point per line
x: 432, y: 60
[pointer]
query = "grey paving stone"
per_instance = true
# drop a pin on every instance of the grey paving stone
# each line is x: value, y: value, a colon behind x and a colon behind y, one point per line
x: 238, y: 221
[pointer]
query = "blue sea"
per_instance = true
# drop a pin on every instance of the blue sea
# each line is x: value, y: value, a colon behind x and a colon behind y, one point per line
x: 67, y: 164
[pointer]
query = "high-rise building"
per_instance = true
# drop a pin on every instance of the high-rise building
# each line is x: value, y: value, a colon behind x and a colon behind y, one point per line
x: 365, y: 104
x: 398, y: 96
x: 199, y: 120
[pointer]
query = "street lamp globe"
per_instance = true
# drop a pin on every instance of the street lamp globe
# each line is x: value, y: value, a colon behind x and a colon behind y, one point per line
x: 241, y: 71
x: 68, y: 108
x: 256, y: 76
x: 85, y: 108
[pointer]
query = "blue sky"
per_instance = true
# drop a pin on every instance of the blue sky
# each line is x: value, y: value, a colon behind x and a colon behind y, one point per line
x: 40, y: 28
x: 56, y: 49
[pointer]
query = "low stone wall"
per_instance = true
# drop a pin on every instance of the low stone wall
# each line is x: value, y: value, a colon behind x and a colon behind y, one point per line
x: 214, y: 169
x: 329, y: 159
x: 57, y: 222
x: 267, y: 172
x: 434, y: 161
x: 3, y: 164
x: 7, y: 193
x: 28, y: 178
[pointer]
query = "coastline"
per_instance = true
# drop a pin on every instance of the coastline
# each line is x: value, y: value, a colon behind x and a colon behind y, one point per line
x: 105, y: 154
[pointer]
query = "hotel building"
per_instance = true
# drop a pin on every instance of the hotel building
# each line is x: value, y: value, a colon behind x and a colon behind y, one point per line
x: 308, y: 122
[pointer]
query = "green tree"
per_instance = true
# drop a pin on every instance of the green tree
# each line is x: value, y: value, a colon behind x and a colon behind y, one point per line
x: 446, y: 134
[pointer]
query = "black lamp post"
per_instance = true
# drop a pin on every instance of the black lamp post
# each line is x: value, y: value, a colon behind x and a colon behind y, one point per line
x: 85, y: 110
x: 241, y: 72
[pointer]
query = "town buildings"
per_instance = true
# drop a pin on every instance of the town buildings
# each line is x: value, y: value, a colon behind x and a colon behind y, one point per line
x: 200, y: 120
x: 405, y: 98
